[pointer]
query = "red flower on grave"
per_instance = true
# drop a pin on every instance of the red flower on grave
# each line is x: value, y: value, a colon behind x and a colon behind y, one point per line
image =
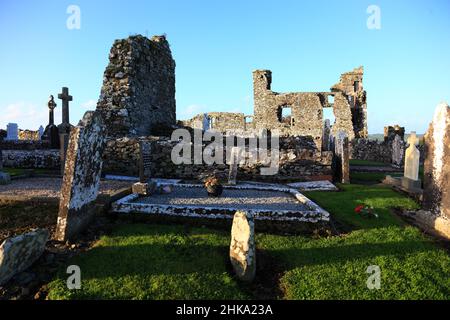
x: 358, y: 209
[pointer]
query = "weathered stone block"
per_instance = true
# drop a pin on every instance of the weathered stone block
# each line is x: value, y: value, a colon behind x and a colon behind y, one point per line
x: 242, y: 246
x: 81, y: 176
x: 20, y: 252
x: 436, y: 195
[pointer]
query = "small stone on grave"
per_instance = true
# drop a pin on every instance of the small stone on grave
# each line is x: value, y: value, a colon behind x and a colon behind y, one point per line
x: 242, y: 246
x: 144, y: 188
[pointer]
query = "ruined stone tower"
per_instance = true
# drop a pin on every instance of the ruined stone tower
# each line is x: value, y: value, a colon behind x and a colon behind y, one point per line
x: 138, y: 92
x: 351, y: 87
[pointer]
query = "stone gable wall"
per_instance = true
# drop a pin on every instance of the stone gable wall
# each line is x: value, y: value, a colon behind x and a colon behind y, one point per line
x: 138, y: 92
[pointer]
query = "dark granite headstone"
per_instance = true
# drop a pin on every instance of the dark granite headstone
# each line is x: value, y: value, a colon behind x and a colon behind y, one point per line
x: 145, y: 161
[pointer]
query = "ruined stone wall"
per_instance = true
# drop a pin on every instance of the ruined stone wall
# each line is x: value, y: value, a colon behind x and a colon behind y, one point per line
x: 351, y: 87
x: 306, y: 109
x: 24, y: 145
x: 29, y: 135
x: 220, y: 121
x: 373, y: 150
x: 299, y: 160
x: 138, y: 92
x: 31, y: 159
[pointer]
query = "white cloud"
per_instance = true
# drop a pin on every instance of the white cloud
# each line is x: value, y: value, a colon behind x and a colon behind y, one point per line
x: 26, y: 115
x: 89, y: 105
x: 190, y: 111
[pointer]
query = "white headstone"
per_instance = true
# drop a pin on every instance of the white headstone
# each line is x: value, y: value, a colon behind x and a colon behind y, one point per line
x: 12, y: 131
x: 412, y: 158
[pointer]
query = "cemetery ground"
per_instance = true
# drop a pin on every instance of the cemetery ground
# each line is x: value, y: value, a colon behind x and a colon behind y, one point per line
x: 122, y: 260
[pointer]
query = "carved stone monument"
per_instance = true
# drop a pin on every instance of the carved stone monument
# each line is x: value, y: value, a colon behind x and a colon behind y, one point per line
x: 341, y: 160
x: 65, y: 127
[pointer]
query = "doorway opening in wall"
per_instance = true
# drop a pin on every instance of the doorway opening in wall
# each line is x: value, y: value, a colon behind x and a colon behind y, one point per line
x: 285, y: 115
x: 328, y: 114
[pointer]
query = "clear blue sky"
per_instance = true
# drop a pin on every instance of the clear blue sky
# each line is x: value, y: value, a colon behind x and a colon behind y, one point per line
x: 217, y: 44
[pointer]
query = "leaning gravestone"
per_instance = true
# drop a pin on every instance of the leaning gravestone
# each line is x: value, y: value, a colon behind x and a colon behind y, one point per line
x: 20, y: 252
x: 242, y: 246
x: 436, y: 195
x: 341, y: 157
x: 81, y: 176
x: 412, y: 158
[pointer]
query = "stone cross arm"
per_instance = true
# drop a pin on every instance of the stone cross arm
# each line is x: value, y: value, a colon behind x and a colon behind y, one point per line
x: 65, y: 95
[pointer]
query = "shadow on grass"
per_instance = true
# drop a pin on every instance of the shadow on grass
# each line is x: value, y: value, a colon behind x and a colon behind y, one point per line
x: 337, y: 254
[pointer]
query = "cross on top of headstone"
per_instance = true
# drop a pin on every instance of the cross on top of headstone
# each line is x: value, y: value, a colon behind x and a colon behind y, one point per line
x: 51, y: 102
x: 65, y: 97
x: 412, y: 139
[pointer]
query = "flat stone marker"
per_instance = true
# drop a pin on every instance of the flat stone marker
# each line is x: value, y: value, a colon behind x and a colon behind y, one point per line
x: 81, y: 176
x: 20, y: 252
x: 436, y: 195
x: 412, y: 158
x: 242, y: 246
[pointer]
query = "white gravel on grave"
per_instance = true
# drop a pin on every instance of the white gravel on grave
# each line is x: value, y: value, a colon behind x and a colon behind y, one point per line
x: 50, y: 187
x: 230, y: 198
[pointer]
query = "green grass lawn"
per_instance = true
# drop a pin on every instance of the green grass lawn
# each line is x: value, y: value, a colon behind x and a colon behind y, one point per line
x: 176, y: 262
x: 154, y: 262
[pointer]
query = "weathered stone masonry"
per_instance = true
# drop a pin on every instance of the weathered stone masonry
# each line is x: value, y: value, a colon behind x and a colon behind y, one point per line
x: 138, y: 93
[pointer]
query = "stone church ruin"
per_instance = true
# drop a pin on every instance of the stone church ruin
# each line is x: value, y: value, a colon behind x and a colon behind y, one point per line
x: 137, y: 102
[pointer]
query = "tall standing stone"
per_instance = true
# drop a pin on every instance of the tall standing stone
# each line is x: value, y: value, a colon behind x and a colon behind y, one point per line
x: 65, y: 127
x: 436, y: 195
x: 242, y: 246
x: 81, y: 176
x: 341, y: 159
